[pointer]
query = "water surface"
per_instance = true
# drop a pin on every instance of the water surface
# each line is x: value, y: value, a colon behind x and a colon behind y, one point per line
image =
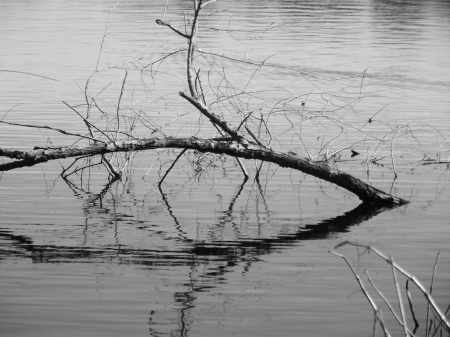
x: 208, y: 255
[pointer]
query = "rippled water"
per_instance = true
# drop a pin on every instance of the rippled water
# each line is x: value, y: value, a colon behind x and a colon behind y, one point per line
x: 208, y: 253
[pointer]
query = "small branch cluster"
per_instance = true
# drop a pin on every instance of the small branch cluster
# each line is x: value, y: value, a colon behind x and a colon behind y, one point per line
x: 242, y: 131
x: 440, y: 324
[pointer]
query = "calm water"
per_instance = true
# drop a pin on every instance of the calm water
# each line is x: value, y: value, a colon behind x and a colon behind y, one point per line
x: 208, y: 255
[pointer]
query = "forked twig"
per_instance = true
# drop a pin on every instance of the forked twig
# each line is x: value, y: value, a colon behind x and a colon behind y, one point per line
x: 413, y: 279
x: 376, y: 310
x: 88, y: 124
x: 386, y: 301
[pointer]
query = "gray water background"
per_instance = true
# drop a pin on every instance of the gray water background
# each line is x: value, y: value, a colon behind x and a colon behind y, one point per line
x: 77, y: 262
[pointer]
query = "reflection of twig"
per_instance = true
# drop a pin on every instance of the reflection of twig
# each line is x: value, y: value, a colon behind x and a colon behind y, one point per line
x: 64, y: 176
x: 183, y: 235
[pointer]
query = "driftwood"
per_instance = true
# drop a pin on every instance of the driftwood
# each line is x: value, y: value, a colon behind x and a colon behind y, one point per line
x: 320, y: 170
x: 232, y: 142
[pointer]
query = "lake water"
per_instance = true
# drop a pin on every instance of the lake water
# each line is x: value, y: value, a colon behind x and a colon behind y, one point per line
x: 207, y: 254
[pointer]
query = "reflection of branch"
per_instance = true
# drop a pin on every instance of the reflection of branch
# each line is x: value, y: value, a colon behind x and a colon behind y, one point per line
x: 19, y: 164
x: 63, y: 173
x: 183, y: 234
x: 228, y: 214
x: 229, y: 253
x: 92, y: 196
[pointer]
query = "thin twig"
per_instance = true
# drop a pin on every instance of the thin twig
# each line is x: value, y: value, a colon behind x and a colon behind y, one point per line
x: 118, y: 105
x: 384, y: 299
x: 171, y: 166
x: 7, y: 112
x: 89, y: 124
x: 366, y: 294
x: 411, y: 307
x: 104, y: 36
x: 54, y: 129
x: 244, y: 120
x: 241, y: 165
x: 22, y: 72
x: 162, y: 23
x: 165, y: 8
x: 427, y: 295
x: 431, y: 289
x: 253, y: 136
x: 206, y: 3
x: 112, y: 170
x: 400, y: 302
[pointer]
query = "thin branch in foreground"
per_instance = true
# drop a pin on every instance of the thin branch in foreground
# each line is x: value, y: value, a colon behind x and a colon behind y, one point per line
x: 399, y: 295
x: 431, y: 290
x: 386, y: 301
x: 411, y: 307
x: 375, y: 309
x: 430, y: 300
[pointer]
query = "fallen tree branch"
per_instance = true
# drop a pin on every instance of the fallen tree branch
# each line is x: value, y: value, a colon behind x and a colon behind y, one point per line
x: 319, y: 170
